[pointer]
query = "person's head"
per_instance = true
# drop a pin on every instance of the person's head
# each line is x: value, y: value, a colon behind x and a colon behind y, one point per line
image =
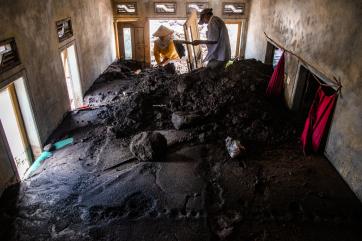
x: 163, y: 33
x: 167, y: 37
x: 205, y: 16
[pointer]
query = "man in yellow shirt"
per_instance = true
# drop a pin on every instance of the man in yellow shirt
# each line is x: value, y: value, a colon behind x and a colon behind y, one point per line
x: 164, y: 49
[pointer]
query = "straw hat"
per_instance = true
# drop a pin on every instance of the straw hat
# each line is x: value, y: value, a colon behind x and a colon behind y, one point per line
x: 163, y: 31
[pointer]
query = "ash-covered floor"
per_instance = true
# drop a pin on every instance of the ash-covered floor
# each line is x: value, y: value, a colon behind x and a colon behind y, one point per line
x: 96, y: 189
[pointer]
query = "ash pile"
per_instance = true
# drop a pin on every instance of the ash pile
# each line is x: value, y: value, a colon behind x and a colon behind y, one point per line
x: 211, y: 105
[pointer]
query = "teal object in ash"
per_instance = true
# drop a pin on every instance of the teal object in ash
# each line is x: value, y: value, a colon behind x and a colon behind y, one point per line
x: 46, y: 154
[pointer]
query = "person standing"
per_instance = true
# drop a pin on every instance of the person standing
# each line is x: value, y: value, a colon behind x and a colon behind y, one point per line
x: 218, y: 42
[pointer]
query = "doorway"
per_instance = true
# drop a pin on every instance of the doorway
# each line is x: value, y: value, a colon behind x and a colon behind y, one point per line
x: 305, y: 91
x: 130, y: 41
x: 273, y: 54
x: 18, y: 125
x: 72, y: 77
x: 233, y: 30
x: 236, y: 30
x: 177, y: 25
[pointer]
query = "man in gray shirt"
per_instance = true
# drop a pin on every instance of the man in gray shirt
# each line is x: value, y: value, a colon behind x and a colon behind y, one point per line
x: 218, y: 42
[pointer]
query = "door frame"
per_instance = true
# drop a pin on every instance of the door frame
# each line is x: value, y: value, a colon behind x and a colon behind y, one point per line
x: 8, y: 79
x: 8, y: 153
x: 21, y: 125
x: 118, y: 40
x: 241, y: 39
x: 61, y: 49
x: 121, y: 26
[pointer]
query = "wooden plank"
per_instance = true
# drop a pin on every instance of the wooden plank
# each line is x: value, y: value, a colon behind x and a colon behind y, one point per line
x: 192, y: 33
x: 115, y: 25
x: 139, y: 44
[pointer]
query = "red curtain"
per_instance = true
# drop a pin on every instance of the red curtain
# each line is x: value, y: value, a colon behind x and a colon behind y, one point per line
x: 276, y: 82
x: 318, y: 120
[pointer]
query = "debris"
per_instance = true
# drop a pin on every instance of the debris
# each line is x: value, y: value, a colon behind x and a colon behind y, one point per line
x: 202, y: 137
x: 149, y: 146
x: 234, y: 147
x: 137, y: 72
x: 225, y: 224
x: 49, y: 148
x: 98, y: 185
x: 229, y: 63
x: 160, y: 106
x: 182, y: 120
x: 170, y: 68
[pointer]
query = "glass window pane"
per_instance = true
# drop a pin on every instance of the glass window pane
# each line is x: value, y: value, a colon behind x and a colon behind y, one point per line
x: 277, y: 55
x: 127, y: 38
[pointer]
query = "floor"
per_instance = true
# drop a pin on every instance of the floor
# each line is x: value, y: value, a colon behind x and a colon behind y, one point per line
x: 96, y: 189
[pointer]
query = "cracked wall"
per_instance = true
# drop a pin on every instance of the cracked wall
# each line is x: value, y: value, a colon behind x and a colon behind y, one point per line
x: 32, y: 24
x: 326, y: 33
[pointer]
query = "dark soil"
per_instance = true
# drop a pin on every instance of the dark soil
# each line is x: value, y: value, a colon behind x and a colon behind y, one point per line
x: 96, y: 189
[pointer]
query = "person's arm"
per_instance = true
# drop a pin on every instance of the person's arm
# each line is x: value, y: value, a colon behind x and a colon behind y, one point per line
x: 164, y: 62
x: 182, y: 41
x: 213, y: 35
x: 156, y: 53
x: 198, y: 42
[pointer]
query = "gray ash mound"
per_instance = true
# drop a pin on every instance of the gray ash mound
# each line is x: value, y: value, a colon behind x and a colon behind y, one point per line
x: 230, y: 101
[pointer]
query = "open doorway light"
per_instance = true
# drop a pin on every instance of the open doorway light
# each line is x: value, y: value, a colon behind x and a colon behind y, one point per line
x: 18, y: 124
x: 72, y: 77
x: 233, y: 30
x: 177, y: 26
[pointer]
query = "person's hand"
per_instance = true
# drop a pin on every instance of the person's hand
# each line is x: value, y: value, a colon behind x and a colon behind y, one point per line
x: 196, y: 42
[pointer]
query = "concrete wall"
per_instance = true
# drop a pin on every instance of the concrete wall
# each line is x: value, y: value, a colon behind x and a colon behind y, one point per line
x: 32, y: 23
x: 327, y: 34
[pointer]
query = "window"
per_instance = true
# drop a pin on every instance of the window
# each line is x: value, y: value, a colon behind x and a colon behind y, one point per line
x: 165, y: 8
x: 273, y: 54
x: 64, y: 29
x: 196, y: 6
x: 277, y: 55
x: 9, y: 57
x: 127, y: 8
x: 235, y: 9
x: 127, y: 41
